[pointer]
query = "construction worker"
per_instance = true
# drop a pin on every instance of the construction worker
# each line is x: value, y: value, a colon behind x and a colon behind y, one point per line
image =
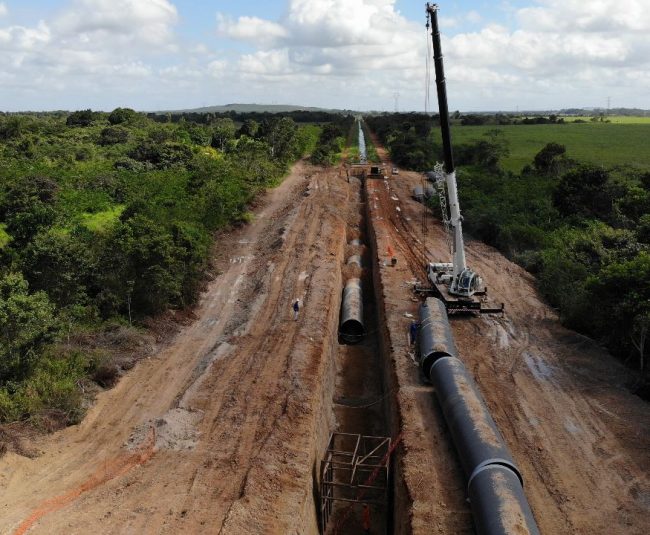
x: 413, y: 331
x: 366, y: 518
x: 296, y: 309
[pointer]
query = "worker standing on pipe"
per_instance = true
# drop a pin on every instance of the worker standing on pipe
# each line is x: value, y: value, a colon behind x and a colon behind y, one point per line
x: 296, y: 309
x: 366, y: 518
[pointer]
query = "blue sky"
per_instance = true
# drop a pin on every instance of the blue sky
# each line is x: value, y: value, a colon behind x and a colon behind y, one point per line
x: 171, y: 54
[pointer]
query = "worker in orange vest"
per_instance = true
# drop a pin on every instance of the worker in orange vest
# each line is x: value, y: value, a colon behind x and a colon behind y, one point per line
x: 366, y: 518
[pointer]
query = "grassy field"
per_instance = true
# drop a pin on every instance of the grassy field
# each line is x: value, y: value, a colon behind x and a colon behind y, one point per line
x: 607, y: 144
x: 618, y: 119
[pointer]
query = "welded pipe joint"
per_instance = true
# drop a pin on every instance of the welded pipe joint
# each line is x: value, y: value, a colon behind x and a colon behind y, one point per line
x: 434, y: 334
x: 498, y: 503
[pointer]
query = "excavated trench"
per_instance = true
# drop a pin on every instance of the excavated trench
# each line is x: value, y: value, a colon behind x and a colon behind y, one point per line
x: 359, y: 400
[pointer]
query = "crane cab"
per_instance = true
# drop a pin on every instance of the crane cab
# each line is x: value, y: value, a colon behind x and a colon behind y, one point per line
x: 466, y: 284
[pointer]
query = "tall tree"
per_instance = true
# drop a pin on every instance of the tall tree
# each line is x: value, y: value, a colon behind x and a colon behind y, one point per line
x: 27, y: 325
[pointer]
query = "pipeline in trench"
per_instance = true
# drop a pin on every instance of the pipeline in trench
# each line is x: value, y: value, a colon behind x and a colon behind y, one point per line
x: 359, y: 395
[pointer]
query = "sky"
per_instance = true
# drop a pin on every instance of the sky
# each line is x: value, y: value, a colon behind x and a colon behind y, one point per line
x: 348, y: 54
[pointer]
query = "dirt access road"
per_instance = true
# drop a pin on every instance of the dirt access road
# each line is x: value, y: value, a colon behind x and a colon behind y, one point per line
x: 581, y: 439
x: 228, y: 418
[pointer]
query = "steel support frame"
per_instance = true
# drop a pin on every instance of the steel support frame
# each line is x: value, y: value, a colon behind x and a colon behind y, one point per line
x: 355, y: 469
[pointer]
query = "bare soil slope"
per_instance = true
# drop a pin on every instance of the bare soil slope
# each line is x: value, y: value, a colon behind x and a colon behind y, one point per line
x: 220, y: 430
x: 580, y: 437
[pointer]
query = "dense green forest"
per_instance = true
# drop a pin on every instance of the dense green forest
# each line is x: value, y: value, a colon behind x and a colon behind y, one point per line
x: 331, y: 141
x: 582, y: 229
x: 107, y: 219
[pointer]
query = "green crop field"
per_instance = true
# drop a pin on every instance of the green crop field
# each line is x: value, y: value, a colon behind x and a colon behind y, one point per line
x: 608, y: 144
x: 618, y: 119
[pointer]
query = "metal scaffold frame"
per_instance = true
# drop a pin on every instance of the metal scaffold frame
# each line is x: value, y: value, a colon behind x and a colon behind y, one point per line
x: 354, y: 470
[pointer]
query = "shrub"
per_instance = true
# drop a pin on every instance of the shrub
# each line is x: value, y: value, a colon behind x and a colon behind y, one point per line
x: 121, y: 115
x: 113, y: 135
x: 81, y: 118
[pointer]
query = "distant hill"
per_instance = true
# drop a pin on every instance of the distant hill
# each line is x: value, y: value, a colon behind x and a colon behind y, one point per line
x: 248, y: 108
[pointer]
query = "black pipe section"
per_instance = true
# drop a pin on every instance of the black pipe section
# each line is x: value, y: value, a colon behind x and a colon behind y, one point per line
x: 473, y: 430
x: 498, y: 502
x: 352, y: 329
x: 435, y: 336
x: 495, y: 484
x: 432, y: 10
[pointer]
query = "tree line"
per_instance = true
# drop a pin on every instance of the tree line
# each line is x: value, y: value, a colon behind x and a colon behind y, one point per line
x: 107, y: 219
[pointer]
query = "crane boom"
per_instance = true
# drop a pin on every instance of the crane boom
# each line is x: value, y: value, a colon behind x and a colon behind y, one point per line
x: 441, y: 86
x: 463, y: 280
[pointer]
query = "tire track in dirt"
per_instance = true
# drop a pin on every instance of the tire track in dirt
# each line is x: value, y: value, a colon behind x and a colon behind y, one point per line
x: 256, y: 374
x: 115, y: 468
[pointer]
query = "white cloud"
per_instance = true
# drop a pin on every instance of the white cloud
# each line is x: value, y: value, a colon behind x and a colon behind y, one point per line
x: 603, y: 16
x: 19, y: 38
x: 320, y: 42
x: 258, y: 31
x: 122, y: 21
x: 89, y: 47
x: 338, y: 53
x: 272, y: 62
x: 575, y: 53
x: 217, y: 67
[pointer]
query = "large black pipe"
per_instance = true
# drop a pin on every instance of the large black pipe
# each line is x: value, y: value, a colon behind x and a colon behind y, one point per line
x: 472, y: 428
x: 499, y: 504
x: 495, y: 484
x: 441, y: 85
x: 352, y: 329
x: 435, y: 335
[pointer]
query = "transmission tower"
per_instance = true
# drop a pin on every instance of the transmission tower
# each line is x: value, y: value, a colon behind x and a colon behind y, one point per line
x: 396, y: 97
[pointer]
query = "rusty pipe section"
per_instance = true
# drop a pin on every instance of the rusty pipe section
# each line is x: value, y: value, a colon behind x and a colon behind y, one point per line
x: 354, y: 260
x: 494, y: 482
x: 352, y: 329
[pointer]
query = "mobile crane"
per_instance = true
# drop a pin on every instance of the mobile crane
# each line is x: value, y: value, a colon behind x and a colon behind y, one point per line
x: 460, y: 287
